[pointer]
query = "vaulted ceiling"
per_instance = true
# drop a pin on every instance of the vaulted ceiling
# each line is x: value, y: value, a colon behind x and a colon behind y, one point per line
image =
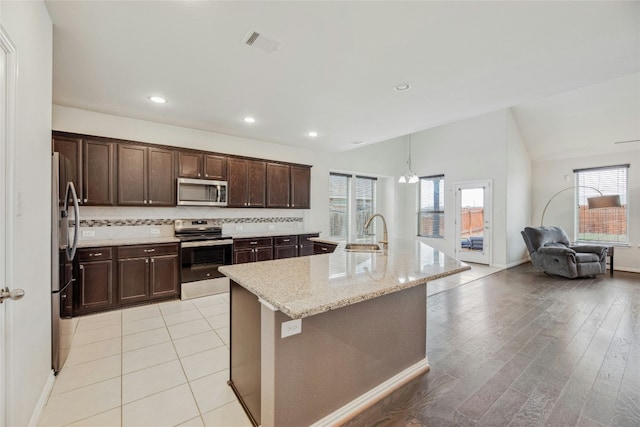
x: 337, y: 64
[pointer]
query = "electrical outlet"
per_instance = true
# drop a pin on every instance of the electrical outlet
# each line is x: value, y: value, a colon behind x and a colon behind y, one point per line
x: 238, y: 228
x: 88, y: 233
x: 292, y: 327
x: 155, y: 231
x: 271, y: 226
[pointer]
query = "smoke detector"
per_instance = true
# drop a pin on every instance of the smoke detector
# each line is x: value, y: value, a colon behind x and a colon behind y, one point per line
x: 258, y: 40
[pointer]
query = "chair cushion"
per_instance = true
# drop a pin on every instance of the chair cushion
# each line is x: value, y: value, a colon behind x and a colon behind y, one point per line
x: 587, y: 257
x: 540, y: 236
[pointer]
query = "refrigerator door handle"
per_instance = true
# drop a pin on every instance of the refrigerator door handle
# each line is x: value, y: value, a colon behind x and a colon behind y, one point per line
x: 71, y: 192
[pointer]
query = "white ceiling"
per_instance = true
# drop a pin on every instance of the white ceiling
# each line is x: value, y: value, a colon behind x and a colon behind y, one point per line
x: 338, y: 62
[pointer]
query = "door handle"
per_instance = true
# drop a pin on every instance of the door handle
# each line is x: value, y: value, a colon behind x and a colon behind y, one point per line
x: 14, y: 294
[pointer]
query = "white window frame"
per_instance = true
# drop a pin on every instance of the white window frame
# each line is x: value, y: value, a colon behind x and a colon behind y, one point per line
x: 352, y: 230
x: 441, y: 211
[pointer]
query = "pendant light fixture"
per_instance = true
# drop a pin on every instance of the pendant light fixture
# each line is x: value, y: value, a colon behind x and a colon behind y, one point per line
x: 409, y: 176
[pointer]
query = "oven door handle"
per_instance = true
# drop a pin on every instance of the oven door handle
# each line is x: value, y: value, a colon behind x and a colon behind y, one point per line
x: 207, y: 243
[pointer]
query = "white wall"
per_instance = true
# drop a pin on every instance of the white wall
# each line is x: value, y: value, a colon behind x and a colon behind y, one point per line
x: 518, y: 192
x: 552, y: 176
x: 30, y: 29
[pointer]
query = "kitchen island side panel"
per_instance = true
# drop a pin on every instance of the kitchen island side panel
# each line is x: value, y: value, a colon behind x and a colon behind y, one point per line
x: 245, y: 349
x: 340, y: 355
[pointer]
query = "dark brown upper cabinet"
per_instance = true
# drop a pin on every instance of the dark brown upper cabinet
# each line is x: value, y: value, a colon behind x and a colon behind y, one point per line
x: 202, y: 165
x: 98, y: 180
x: 71, y: 148
x: 300, y: 187
x: 288, y: 186
x: 246, y: 183
x: 278, y: 185
x: 92, y: 167
x: 146, y: 176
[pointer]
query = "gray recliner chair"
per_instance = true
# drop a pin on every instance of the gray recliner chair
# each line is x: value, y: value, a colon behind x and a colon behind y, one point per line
x: 551, y: 252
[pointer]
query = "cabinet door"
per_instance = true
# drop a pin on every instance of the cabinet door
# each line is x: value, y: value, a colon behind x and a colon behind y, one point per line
x: 215, y: 167
x: 163, y: 278
x: 133, y: 280
x: 257, y: 177
x: 263, y: 254
x: 189, y: 165
x: 71, y: 149
x: 242, y: 256
x: 161, y: 177
x: 94, y: 286
x: 237, y: 185
x: 280, y: 252
x: 278, y: 177
x: 300, y: 187
x: 98, y: 173
x: 132, y: 167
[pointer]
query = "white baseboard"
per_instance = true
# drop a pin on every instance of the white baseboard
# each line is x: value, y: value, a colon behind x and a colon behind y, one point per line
x: 351, y: 409
x: 42, y: 400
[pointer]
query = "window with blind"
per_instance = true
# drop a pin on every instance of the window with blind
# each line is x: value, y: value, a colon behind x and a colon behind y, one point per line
x: 607, y: 225
x: 431, y: 206
x: 352, y: 200
x: 339, y: 204
x: 365, y: 204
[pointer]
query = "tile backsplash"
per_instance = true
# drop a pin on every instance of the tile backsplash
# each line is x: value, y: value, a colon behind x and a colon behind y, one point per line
x: 131, y: 222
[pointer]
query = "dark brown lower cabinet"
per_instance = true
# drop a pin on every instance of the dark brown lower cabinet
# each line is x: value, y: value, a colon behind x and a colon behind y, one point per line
x: 305, y: 246
x: 252, y: 250
x: 323, y: 248
x: 285, y: 247
x: 147, y: 272
x: 93, y: 290
x: 113, y: 277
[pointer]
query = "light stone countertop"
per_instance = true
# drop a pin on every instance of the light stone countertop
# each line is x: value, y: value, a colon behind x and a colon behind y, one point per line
x: 94, y: 243
x: 305, y: 286
x: 268, y: 233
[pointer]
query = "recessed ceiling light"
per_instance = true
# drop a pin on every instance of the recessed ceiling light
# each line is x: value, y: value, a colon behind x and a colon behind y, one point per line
x: 249, y: 120
x: 402, y: 87
x: 157, y: 99
x: 312, y: 133
x: 357, y: 142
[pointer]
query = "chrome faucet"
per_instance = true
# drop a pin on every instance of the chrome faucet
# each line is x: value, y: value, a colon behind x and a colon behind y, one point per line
x: 385, y: 237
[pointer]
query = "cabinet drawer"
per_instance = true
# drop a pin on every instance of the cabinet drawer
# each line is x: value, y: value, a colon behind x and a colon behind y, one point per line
x: 285, y: 240
x: 95, y: 254
x: 147, y: 250
x: 252, y: 243
x: 323, y: 248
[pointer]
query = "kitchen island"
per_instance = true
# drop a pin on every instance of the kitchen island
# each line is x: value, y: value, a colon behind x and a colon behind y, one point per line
x: 315, y: 340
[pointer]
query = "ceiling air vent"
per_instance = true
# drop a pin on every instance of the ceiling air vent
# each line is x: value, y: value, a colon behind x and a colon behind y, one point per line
x: 255, y: 39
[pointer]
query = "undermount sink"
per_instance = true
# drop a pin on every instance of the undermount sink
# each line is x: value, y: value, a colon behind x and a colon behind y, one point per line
x: 362, y: 247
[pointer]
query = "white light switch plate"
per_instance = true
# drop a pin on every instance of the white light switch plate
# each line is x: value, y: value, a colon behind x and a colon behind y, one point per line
x: 88, y: 233
x: 155, y: 231
x: 292, y: 327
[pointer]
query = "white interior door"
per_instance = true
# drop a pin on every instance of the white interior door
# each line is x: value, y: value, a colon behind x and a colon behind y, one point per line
x: 8, y: 70
x: 473, y: 221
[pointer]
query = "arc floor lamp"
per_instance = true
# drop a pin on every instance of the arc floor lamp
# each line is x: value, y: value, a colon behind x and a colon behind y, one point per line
x: 597, y: 202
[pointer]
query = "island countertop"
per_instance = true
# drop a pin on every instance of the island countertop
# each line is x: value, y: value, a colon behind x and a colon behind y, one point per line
x: 306, y: 286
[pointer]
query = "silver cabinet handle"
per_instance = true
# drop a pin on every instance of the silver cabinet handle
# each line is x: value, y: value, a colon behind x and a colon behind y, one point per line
x: 152, y: 260
x: 81, y: 267
x: 96, y: 254
x: 149, y: 250
x: 86, y: 200
x: 150, y: 202
x: 146, y: 260
x: 286, y: 240
x: 253, y: 243
x: 324, y: 249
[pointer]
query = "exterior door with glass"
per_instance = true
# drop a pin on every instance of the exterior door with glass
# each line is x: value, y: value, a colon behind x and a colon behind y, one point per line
x: 473, y: 221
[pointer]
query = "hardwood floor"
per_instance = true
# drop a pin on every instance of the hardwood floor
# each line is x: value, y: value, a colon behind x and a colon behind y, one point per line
x: 521, y: 348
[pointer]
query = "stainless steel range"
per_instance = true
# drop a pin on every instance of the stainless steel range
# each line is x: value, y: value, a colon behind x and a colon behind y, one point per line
x: 204, y: 250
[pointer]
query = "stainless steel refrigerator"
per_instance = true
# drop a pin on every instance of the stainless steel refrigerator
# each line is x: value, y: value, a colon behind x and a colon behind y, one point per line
x: 64, y: 208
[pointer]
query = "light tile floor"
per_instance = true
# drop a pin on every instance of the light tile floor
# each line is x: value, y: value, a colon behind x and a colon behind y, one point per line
x: 163, y: 364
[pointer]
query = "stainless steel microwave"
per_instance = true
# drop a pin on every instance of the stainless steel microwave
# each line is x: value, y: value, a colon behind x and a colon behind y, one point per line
x: 202, y: 192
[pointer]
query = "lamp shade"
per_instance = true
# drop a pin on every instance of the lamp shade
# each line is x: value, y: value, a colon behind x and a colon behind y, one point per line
x: 600, y: 202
